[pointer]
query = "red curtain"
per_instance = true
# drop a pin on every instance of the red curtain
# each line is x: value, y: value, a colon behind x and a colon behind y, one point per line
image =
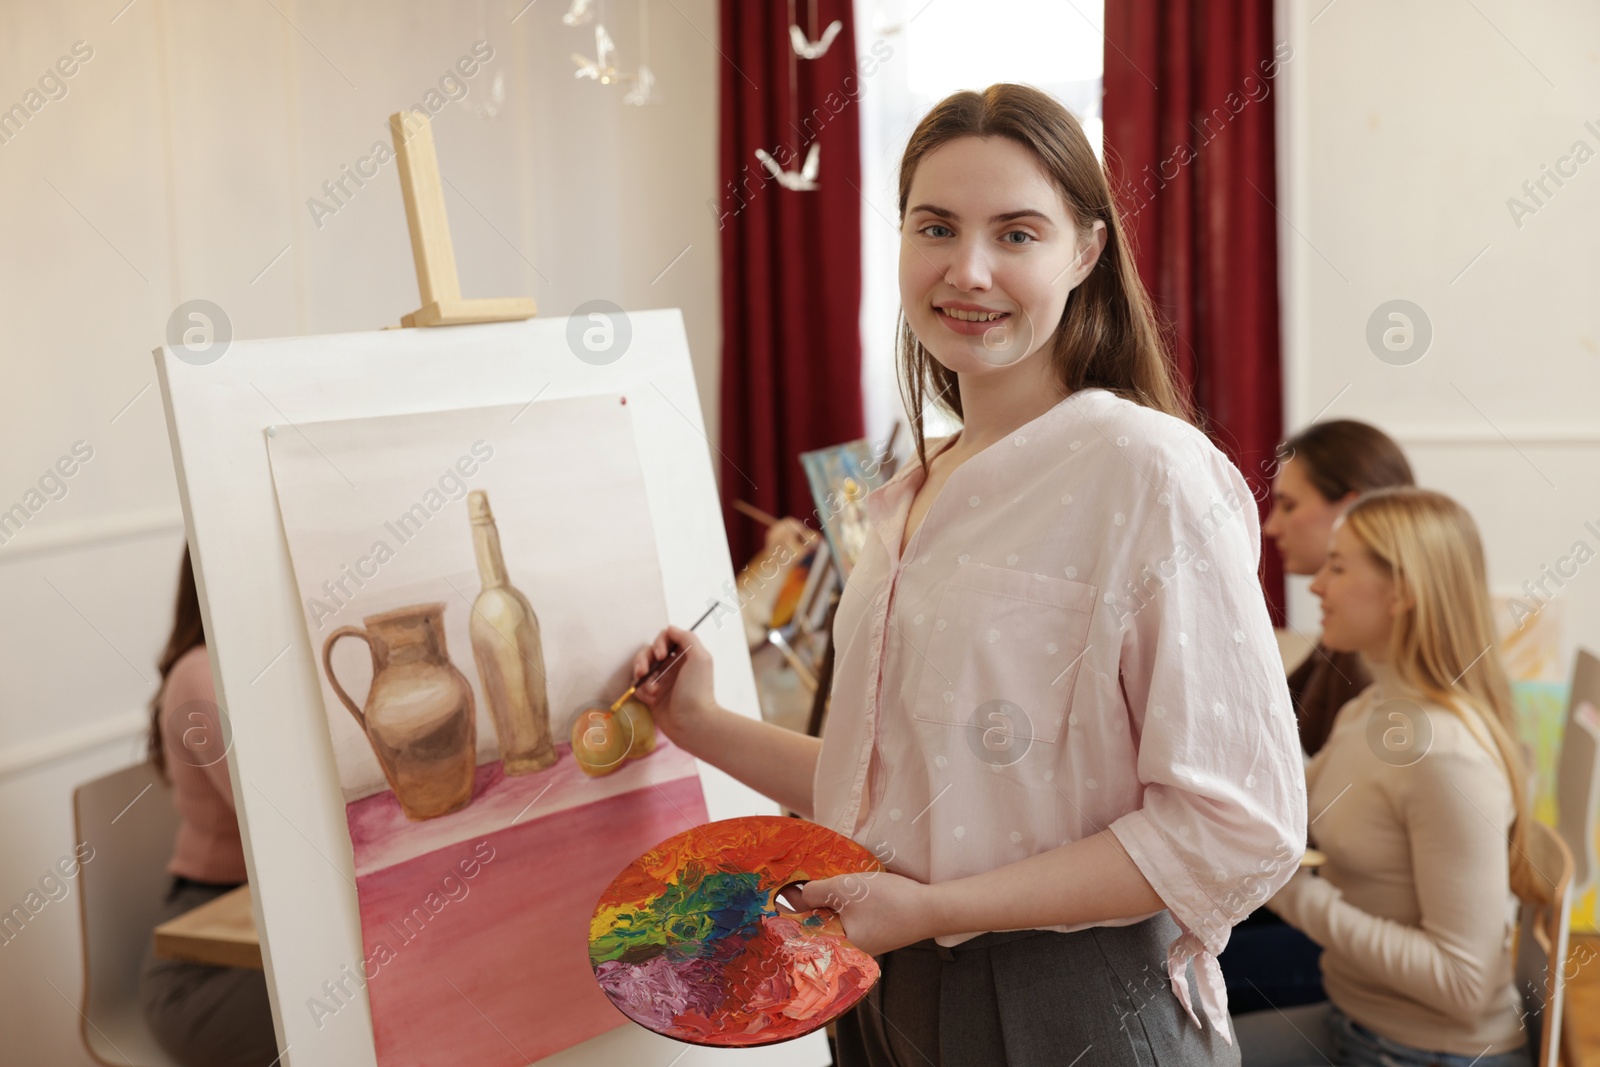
x: 791, y: 260
x: 1189, y: 94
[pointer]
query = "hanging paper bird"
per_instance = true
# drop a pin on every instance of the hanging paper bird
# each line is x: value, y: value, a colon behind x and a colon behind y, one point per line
x: 603, y: 67
x: 644, y: 89
x: 489, y: 108
x: 802, y: 181
x: 885, y: 26
x: 580, y: 12
x: 644, y: 80
x: 807, y: 49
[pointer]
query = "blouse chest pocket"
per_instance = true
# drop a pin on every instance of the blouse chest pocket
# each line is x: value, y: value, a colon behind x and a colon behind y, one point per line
x: 1004, y: 654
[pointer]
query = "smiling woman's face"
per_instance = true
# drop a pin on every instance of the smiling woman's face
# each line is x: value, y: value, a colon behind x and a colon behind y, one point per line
x: 988, y: 254
x: 1360, y: 597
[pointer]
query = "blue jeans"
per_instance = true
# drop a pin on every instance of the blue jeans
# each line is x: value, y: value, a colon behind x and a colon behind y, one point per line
x: 1270, y: 964
x: 1318, y: 1034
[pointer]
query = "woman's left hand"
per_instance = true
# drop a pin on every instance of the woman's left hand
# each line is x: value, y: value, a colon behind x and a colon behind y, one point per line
x: 880, y: 911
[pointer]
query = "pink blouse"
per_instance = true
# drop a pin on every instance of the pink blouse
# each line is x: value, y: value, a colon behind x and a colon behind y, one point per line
x: 1075, y: 639
x: 208, y: 848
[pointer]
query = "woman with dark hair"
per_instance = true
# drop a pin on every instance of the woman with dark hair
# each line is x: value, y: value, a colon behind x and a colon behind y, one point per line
x: 1321, y: 471
x: 203, y: 1016
x: 1058, y: 714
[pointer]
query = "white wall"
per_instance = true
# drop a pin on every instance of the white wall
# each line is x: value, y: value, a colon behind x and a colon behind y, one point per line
x: 177, y: 166
x: 1406, y: 128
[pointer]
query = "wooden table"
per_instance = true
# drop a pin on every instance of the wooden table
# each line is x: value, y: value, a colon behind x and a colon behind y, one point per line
x: 221, y: 932
x: 1294, y: 647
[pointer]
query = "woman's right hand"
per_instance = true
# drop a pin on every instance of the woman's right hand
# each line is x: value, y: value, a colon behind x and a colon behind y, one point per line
x: 681, y: 697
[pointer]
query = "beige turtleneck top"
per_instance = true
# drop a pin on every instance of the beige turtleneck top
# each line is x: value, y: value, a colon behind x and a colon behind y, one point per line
x: 1413, y: 908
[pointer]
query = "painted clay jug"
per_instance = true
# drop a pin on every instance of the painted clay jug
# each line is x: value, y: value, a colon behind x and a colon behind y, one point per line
x: 419, y: 715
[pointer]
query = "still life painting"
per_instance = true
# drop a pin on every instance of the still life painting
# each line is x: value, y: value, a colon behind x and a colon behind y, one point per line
x: 475, y: 585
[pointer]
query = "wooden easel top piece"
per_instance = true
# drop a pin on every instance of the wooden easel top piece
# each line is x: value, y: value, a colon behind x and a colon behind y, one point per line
x: 423, y: 192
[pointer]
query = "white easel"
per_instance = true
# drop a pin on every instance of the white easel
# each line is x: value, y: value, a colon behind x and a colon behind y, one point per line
x: 291, y: 813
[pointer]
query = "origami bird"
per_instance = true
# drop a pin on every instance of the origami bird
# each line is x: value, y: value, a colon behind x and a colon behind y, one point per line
x: 802, y: 181
x: 644, y: 89
x: 807, y: 49
x: 884, y: 26
x: 603, y: 67
x: 489, y: 108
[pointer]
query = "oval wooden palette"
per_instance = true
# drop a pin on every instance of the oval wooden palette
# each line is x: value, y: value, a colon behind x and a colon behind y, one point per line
x: 692, y: 941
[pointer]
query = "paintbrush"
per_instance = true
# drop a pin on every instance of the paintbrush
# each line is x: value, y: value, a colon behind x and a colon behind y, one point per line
x: 656, y: 671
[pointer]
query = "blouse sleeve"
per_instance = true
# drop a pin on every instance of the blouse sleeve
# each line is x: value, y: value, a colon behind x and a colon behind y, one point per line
x: 1300, y: 680
x: 1222, y: 821
x: 1323, y: 684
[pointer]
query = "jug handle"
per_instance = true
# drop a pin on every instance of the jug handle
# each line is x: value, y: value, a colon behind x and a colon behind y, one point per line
x: 327, y: 665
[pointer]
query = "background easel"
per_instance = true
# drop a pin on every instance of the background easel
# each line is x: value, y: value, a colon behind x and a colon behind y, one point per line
x: 805, y: 641
x: 291, y: 810
x: 223, y: 933
x: 423, y: 193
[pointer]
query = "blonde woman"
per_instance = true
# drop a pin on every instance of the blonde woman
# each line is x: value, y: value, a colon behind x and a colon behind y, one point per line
x: 1417, y: 800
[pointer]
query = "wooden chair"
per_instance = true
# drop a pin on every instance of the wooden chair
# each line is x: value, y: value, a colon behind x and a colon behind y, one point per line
x: 1542, y: 945
x: 1578, y: 774
x: 128, y: 818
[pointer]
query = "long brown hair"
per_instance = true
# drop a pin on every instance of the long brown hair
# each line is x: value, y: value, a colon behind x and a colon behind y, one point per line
x: 187, y: 632
x: 1108, y: 335
x: 1443, y: 644
x: 1343, y: 456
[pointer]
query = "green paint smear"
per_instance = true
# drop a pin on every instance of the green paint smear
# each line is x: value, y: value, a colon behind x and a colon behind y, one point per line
x: 689, y: 918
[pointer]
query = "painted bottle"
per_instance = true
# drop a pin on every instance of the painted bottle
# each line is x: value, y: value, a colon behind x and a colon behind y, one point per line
x: 510, y: 657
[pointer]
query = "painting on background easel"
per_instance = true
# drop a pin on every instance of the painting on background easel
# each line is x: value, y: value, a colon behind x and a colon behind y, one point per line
x: 840, y: 478
x: 418, y: 542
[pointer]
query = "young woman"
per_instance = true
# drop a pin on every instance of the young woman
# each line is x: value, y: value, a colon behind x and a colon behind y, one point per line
x: 1058, y: 714
x: 1321, y: 470
x: 1417, y: 800
x: 203, y: 1016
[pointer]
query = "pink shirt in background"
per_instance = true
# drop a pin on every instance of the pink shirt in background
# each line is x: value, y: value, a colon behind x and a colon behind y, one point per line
x: 208, y: 848
x: 1075, y: 639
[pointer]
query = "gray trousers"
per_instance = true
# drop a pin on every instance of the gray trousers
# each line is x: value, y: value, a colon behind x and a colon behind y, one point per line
x: 206, y: 1016
x: 1029, y: 998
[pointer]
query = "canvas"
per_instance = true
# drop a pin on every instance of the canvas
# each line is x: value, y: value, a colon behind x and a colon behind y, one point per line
x: 473, y: 582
